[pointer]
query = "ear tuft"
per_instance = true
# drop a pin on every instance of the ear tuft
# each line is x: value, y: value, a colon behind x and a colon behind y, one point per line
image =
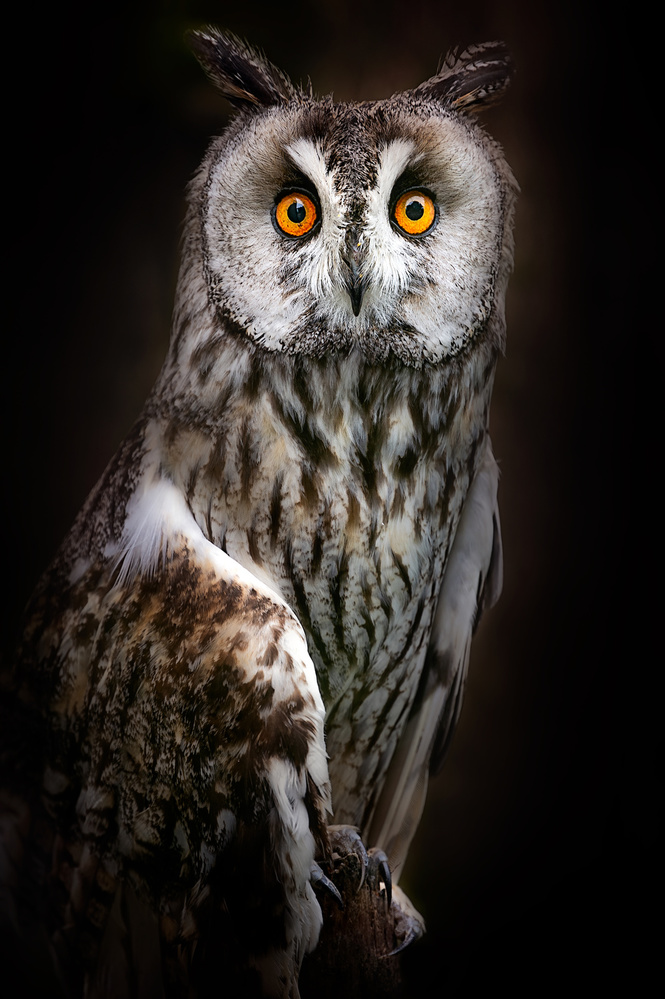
x: 239, y: 72
x: 475, y: 79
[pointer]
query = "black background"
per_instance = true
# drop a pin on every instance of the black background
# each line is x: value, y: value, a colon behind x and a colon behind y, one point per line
x: 536, y: 860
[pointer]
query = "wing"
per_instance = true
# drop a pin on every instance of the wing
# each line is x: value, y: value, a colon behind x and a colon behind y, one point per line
x: 472, y: 581
x: 184, y: 778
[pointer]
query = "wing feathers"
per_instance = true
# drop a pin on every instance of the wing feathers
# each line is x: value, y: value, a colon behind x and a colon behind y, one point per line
x: 196, y: 741
x: 472, y: 581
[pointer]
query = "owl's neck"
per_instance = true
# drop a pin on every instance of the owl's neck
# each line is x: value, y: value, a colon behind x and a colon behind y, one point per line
x: 262, y: 443
x: 216, y: 379
x: 234, y: 407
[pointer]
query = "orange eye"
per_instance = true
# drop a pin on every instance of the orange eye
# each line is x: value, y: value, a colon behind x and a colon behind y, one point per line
x: 295, y: 214
x: 415, y: 213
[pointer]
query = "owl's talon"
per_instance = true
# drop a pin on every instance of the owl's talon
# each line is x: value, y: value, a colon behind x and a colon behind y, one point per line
x: 409, y: 924
x: 344, y: 841
x: 379, y: 871
x: 411, y: 937
x: 320, y: 880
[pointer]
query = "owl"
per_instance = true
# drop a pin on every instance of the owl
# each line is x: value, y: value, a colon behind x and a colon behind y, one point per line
x: 251, y: 648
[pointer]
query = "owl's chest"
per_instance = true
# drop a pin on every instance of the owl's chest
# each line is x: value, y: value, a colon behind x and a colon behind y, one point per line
x: 344, y: 497
x: 350, y: 524
x: 360, y: 558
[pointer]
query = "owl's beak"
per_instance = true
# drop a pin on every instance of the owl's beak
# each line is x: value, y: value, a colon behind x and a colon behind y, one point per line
x: 353, y: 258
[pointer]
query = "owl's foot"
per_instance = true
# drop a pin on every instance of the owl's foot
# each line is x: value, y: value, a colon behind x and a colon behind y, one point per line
x: 349, y: 853
x: 360, y: 946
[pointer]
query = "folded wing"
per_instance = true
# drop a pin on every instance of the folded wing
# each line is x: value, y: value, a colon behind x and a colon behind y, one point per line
x: 472, y: 582
x: 182, y: 770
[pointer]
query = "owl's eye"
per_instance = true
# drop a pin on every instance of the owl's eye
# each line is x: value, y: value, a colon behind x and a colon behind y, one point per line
x: 296, y: 214
x: 415, y: 213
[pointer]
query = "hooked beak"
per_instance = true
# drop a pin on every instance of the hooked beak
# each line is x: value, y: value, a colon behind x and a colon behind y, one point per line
x: 353, y: 257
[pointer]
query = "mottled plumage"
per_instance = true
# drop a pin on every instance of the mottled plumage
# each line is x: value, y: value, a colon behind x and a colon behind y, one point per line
x: 260, y: 621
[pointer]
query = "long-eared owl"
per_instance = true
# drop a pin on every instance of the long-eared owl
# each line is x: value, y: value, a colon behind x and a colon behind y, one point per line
x: 259, y: 625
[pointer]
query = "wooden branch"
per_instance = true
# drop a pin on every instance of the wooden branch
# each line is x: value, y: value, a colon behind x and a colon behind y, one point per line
x: 355, y: 955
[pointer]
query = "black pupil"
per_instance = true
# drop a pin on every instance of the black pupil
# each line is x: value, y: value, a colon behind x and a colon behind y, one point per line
x: 296, y: 211
x: 414, y: 210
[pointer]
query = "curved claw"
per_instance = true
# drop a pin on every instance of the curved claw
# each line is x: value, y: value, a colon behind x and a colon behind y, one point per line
x: 379, y: 872
x: 319, y: 880
x: 345, y: 840
x: 409, y: 939
x: 409, y: 924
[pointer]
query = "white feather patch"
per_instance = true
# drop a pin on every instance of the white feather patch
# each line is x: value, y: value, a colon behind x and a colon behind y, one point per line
x: 156, y: 514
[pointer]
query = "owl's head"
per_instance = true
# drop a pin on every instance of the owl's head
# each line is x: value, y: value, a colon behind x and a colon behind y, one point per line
x: 383, y: 227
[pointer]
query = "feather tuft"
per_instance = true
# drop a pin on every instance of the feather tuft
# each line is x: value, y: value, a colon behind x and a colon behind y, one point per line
x: 239, y: 72
x: 471, y: 80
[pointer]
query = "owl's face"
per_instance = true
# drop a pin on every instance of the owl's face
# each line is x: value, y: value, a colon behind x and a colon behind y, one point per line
x: 376, y: 226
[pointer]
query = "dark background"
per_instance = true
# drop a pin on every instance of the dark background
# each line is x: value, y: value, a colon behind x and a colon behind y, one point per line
x: 536, y: 860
